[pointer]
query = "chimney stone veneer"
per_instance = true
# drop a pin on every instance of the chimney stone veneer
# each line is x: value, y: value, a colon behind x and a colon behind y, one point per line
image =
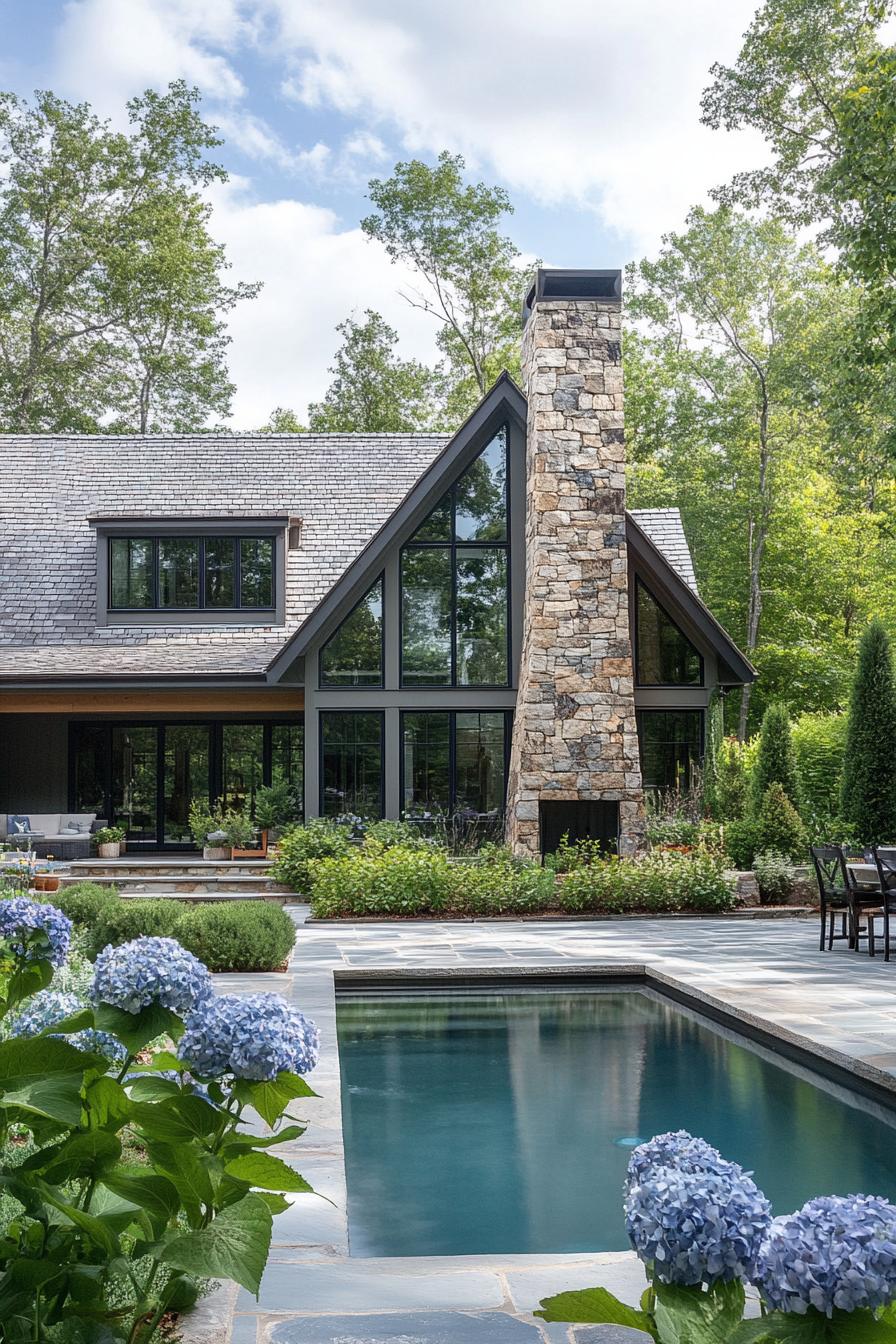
x: 574, y: 733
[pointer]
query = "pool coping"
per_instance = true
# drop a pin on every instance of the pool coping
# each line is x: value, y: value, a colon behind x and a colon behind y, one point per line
x: 299, y: 1265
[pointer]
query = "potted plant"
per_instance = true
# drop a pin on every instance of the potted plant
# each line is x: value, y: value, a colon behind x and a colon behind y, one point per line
x: 277, y: 808
x: 208, y: 833
x: 238, y: 828
x: 108, y: 841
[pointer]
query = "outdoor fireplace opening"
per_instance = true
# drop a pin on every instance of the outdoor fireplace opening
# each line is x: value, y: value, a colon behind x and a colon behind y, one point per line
x: 579, y: 820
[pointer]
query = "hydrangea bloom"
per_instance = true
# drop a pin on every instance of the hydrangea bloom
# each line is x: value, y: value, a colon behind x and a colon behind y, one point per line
x: 255, y: 1037
x: 20, y: 917
x: 50, y: 1006
x: 150, y: 970
x: 692, y: 1215
x: 678, y: 1149
x: 836, y: 1251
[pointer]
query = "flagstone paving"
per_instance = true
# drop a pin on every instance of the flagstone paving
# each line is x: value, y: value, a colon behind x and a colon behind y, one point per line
x: 840, y: 1004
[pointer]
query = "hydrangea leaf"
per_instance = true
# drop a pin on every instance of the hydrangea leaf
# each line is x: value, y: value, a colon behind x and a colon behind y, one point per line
x: 156, y: 1194
x: 690, y: 1316
x: 809, y: 1329
x: 152, y: 1088
x: 28, y: 978
x: 276, y: 1203
x: 271, y: 1099
x: 136, y: 1030
x: 184, y: 1168
x: 176, y: 1118
x: 44, y: 1075
x: 76, y: 1021
x: 83, y: 1156
x: 267, y: 1172
x: 234, y: 1246
x: 593, y: 1306
x: 107, y: 1102
x: 241, y: 1143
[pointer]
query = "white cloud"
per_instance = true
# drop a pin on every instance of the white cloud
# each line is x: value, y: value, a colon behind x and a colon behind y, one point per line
x: 315, y: 273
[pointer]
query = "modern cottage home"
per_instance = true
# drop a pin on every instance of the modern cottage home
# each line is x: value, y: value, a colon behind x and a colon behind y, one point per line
x: 469, y: 625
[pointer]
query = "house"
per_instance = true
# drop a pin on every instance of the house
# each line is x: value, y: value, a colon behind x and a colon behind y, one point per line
x: 396, y: 623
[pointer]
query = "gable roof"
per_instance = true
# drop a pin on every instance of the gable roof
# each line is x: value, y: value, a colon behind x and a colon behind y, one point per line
x: 354, y: 493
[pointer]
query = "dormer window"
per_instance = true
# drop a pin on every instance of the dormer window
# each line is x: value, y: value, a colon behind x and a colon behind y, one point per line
x: 191, y: 573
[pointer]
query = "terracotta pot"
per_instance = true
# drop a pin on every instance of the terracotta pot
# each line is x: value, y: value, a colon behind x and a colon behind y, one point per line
x: 51, y: 883
x: 110, y: 851
x: 39, y: 882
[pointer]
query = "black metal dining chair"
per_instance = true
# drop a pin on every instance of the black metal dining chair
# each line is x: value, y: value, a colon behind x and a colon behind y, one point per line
x: 833, y: 893
x: 864, y: 899
x: 885, y: 859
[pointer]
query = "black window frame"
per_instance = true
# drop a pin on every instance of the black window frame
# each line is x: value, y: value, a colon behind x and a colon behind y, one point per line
x: 374, y: 713
x: 236, y: 538
x: 641, y: 714
x: 453, y: 546
x: 507, y: 715
x: 661, y: 685
x: 359, y: 685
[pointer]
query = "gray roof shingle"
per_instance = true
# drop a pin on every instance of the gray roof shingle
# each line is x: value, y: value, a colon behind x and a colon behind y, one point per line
x: 344, y: 487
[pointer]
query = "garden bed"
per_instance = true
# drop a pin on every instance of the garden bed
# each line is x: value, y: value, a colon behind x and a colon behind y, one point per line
x: 556, y: 916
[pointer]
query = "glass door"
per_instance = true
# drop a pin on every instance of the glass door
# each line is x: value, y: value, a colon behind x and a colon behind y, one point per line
x: 186, y: 756
x: 135, y: 782
x: 242, y: 765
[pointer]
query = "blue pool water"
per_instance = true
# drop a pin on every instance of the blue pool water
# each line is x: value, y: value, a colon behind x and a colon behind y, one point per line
x: 503, y: 1122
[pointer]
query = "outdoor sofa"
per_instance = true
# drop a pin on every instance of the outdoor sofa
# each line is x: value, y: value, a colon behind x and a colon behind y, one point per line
x: 65, y: 835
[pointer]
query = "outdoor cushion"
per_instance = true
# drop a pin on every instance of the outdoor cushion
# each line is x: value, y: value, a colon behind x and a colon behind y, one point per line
x: 77, y: 821
x: 45, y: 822
x: 17, y: 824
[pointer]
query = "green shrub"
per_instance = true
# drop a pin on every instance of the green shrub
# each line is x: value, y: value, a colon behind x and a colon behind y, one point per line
x: 731, y: 787
x: 775, y: 759
x: 742, y: 842
x: 277, y: 806
x: 120, y: 921
x: 571, y: 855
x: 868, y: 793
x: 83, y: 902
x: 660, y: 881
x: 303, y: 845
x: 672, y: 831
x: 242, y: 936
x: 394, y: 834
x: 780, y: 827
x: 774, y: 874
x: 389, y: 882
x: 818, y: 743
x: 501, y: 888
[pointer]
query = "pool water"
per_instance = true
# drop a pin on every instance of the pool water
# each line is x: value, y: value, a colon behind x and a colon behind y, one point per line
x: 503, y: 1122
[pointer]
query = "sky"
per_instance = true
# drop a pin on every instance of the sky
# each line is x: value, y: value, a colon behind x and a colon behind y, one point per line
x: 586, y: 112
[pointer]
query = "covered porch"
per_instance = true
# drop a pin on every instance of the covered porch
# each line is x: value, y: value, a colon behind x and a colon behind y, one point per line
x: 140, y: 758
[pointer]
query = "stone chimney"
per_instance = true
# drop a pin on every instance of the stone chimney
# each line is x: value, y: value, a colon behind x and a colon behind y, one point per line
x: 575, y: 739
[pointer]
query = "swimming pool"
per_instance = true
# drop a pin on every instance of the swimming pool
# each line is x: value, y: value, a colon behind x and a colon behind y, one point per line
x: 501, y: 1122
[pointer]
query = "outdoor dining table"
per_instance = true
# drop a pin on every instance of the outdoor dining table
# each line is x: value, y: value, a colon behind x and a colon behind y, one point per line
x: 865, y: 874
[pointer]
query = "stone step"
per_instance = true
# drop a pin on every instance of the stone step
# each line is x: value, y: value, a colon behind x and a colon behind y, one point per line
x: 219, y: 897
x: 92, y: 869
x: 149, y: 885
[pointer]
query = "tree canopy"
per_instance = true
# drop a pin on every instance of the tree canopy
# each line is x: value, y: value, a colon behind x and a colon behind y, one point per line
x: 373, y: 389
x: 112, y: 290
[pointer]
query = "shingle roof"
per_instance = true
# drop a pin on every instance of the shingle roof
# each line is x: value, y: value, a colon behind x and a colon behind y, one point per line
x: 344, y: 487
x: 666, y: 530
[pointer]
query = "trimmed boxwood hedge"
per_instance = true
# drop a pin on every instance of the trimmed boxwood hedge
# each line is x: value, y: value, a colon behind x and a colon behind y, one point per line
x: 237, y: 936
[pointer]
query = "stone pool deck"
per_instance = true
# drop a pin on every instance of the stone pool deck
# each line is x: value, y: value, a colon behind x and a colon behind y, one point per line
x: 769, y: 974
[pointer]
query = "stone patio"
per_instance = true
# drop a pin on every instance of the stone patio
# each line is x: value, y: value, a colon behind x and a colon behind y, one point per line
x: 841, y: 1005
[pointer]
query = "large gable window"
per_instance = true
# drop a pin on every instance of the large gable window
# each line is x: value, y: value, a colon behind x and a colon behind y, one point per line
x: 455, y: 582
x: 664, y: 655
x: 191, y: 573
x: 353, y: 656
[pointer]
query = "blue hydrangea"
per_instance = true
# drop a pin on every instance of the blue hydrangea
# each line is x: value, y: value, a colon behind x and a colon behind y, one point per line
x: 678, y: 1149
x: 836, y: 1251
x: 21, y: 918
x: 150, y: 970
x: 255, y: 1037
x: 50, y: 1006
x: 690, y: 1214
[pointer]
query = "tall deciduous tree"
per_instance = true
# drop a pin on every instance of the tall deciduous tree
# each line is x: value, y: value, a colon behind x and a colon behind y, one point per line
x: 717, y: 411
x: 112, y: 290
x: 868, y: 795
x: 372, y: 388
x: 449, y: 233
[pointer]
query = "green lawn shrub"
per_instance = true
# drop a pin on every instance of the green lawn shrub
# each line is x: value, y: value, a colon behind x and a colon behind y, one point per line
x: 83, y: 902
x: 389, y: 882
x: 775, y: 757
x: 774, y: 875
x: 389, y: 834
x: 240, y: 936
x: 660, y: 881
x: 577, y: 854
x: 321, y: 838
x: 742, y: 842
x: 503, y: 887
x: 120, y: 921
x: 780, y: 826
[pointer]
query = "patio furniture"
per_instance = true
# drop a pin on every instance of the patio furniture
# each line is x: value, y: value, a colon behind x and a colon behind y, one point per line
x: 65, y: 835
x: 833, y: 893
x: 863, y: 898
x: 885, y: 863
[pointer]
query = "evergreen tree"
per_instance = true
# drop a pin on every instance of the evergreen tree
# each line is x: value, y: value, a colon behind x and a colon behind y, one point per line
x: 775, y: 759
x: 868, y: 796
x: 715, y: 735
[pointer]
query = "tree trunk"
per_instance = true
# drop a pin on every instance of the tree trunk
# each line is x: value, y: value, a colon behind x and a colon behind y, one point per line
x: 758, y: 537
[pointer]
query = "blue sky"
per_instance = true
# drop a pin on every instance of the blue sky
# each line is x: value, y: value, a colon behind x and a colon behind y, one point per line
x: 586, y: 112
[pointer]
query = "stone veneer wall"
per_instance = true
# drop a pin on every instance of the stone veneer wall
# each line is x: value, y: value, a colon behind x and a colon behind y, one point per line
x: 574, y: 735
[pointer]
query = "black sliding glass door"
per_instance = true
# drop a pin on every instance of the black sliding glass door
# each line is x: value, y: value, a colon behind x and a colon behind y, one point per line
x: 146, y: 776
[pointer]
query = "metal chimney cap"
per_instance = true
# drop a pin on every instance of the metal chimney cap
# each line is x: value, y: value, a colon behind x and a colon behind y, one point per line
x: 572, y: 285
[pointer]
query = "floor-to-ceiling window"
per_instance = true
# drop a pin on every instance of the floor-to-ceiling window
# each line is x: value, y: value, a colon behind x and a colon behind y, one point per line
x: 351, y: 760
x: 454, y: 762
x: 146, y: 776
